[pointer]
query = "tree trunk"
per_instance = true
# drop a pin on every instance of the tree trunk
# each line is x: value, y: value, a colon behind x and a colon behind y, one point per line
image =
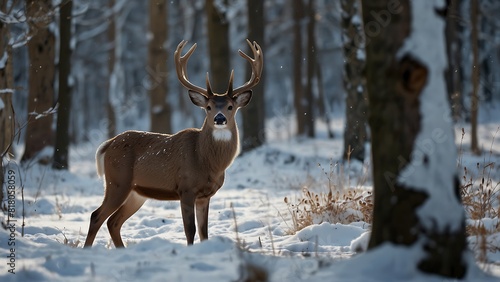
x: 298, y: 89
x: 254, y: 115
x: 218, y: 46
x: 157, y: 63
x: 41, y: 54
x: 322, y: 101
x: 311, y: 53
x: 61, y: 151
x: 487, y: 29
x: 416, y: 185
x: 453, y: 51
x: 355, y: 134
x: 474, y: 15
x: 110, y: 110
x: 6, y: 87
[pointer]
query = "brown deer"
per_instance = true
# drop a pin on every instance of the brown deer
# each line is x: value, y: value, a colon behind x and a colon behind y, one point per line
x: 188, y: 166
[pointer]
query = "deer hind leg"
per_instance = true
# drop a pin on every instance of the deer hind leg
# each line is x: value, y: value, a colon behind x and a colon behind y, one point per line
x: 133, y: 203
x: 113, y: 199
x: 202, y: 217
x: 187, y: 209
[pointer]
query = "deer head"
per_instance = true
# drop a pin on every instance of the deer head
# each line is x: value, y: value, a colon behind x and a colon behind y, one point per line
x: 220, y: 108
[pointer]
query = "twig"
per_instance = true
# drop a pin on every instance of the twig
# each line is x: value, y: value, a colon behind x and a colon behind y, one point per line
x: 22, y: 199
x: 235, y: 225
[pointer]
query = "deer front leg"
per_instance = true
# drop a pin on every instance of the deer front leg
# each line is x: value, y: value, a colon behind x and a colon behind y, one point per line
x: 202, y: 217
x: 187, y: 210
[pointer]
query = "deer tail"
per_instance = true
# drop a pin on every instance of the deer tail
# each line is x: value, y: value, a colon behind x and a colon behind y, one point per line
x: 99, y: 157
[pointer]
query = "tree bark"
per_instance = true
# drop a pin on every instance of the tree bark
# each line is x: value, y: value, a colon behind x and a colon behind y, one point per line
x: 389, y: 139
x: 41, y: 52
x: 474, y: 107
x: 309, y: 96
x: 453, y: 51
x: 6, y: 85
x: 218, y: 47
x: 110, y: 110
x: 157, y: 62
x: 254, y: 134
x: 487, y: 29
x: 298, y: 88
x: 322, y: 101
x: 355, y: 133
x: 61, y: 152
x: 413, y: 158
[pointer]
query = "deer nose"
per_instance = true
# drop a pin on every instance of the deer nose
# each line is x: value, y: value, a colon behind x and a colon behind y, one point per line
x: 220, y: 119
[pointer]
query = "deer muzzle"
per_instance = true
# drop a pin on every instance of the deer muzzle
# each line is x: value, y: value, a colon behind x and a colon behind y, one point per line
x: 220, y: 119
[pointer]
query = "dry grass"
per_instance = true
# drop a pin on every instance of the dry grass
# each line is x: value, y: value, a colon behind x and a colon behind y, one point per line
x: 341, y: 204
x: 481, y: 200
x: 70, y: 243
x: 335, y: 207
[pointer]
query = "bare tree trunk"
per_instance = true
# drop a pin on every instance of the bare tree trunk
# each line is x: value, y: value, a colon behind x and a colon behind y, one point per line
x: 355, y: 133
x: 311, y: 61
x: 218, y: 46
x: 41, y: 51
x: 298, y: 88
x: 254, y: 115
x: 157, y: 63
x: 322, y: 102
x: 474, y: 107
x: 453, y: 50
x: 6, y: 91
x: 488, y: 28
x: 416, y: 186
x: 110, y: 110
x: 61, y: 152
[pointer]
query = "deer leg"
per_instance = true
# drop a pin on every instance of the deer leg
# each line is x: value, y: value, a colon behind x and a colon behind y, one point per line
x: 112, y: 201
x: 202, y: 217
x: 187, y: 209
x: 133, y: 203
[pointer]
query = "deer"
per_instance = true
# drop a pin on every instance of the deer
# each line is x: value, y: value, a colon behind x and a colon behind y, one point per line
x: 188, y: 166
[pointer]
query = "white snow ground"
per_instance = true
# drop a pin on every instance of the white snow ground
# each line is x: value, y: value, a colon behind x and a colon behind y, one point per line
x: 58, y: 205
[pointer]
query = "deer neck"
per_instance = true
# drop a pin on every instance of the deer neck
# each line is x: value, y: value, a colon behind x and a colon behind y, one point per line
x: 220, y: 135
x: 219, y: 146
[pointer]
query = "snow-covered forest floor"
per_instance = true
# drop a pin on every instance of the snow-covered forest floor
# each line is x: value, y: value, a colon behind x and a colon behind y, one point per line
x: 250, y: 225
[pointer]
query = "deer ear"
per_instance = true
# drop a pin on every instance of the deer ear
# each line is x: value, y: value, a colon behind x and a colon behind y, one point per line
x: 198, y: 99
x: 243, y: 99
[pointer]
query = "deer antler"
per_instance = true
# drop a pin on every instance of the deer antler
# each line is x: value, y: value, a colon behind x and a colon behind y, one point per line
x: 181, y: 68
x: 257, y: 63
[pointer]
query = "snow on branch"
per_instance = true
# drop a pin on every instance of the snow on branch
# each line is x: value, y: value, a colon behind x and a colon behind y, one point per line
x: 49, y: 111
x: 6, y: 90
x: 3, y: 60
x: 16, y: 18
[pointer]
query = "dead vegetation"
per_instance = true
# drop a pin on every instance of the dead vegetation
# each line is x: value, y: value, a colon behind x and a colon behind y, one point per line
x: 481, y: 199
x: 335, y: 207
x: 340, y: 204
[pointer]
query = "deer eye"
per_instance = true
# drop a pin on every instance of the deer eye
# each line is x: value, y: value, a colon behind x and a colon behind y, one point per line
x: 208, y: 108
x: 230, y: 108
